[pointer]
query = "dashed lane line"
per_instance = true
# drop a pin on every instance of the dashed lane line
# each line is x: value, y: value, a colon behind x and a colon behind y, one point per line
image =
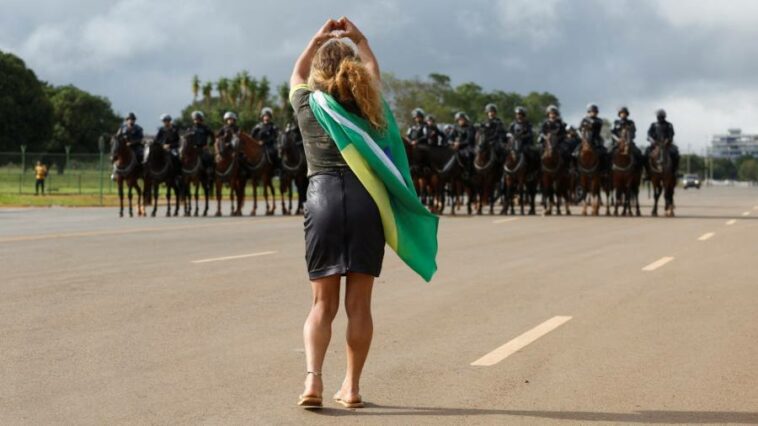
x: 510, y: 219
x: 707, y: 236
x: 520, y: 342
x: 731, y: 222
x: 239, y: 256
x: 746, y: 213
x: 658, y: 263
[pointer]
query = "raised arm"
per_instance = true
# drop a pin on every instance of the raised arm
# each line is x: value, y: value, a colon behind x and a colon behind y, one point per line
x: 364, y: 50
x: 302, y: 69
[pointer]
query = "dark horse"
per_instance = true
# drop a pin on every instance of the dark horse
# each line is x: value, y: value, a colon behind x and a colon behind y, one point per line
x: 226, y: 171
x: 625, y: 176
x: 193, y: 173
x: 294, y: 169
x: 127, y: 168
x: 662, y: 176
x: 256, y: 165
x: 556, y: 177
x: 487, y: 171
x: 521, y: 171
x: 160, y: 168
x: 588, y: 165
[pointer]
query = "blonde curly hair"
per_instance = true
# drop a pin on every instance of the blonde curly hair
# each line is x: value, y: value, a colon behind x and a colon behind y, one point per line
x: 337, y: 70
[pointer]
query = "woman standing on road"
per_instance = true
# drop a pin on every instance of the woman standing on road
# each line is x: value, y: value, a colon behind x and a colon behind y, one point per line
x: 358, y: 197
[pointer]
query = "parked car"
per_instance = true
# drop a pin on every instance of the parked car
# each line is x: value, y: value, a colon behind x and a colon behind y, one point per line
x: 691, y: 181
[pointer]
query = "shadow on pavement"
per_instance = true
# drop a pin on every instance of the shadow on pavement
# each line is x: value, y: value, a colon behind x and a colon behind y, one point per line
x: 639, y: 416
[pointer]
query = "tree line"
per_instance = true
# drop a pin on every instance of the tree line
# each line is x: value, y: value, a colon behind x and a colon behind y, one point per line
x: 48, y: 118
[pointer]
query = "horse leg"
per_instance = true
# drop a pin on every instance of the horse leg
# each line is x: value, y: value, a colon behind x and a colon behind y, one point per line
x: 131, y: 212
x: 268, y: 181
x: 254, y: 184
x: 219, y: 186
x: 121, y: 197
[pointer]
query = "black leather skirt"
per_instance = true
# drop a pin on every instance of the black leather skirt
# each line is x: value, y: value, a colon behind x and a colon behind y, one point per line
x: 343, y: 229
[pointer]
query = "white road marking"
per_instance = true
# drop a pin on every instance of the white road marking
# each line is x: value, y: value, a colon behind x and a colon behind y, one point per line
x: 520, y: 342
x: 658, y: 263
x: 746, y: 213
x: 706, y: 236
x: 239, y: 256
x: 510, y: 219
x: 731, y: 222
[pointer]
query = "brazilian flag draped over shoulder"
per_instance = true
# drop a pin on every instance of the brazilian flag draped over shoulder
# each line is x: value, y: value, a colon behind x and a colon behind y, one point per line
x: 379, y: 161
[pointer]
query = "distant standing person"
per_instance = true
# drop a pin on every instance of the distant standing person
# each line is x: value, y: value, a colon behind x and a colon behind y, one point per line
x: 40, y: 172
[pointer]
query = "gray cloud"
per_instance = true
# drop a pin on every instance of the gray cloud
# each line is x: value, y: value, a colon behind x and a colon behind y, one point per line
x: 696, y: 59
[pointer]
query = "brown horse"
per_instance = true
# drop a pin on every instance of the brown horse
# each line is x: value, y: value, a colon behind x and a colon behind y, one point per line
x: 160, y: 168
x: 662, y: 176
x: 256, y: 165
x: 418, y: 163
x: 294, y: 169
x: 556, y: 179
x: 487, y: 171
x: 521, y: 178
x: 624, y: 171
x: 193, y: 173
x: 227, y: 171
x: 588, y: 167
x: 127, y: 168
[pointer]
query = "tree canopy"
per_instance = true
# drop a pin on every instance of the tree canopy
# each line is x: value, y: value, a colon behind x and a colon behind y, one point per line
x: 80, y: 118
x: 436, y: 95
x: 26, y: 114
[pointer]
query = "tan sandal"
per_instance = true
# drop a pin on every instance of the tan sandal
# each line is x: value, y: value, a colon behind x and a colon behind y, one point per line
x: 356, y: 404
x: 311, y: 401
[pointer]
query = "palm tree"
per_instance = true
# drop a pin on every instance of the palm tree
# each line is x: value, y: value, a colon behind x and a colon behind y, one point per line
x: 252, y: 90
x: 244, y: 77
x: 223, y: 89
x: 207, y: 92
x: 235, y: 89
x: 195, y: 87
x: 263, y: 92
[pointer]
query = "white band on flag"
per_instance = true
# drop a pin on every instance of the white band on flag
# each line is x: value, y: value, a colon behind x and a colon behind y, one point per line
x: 322, y: 102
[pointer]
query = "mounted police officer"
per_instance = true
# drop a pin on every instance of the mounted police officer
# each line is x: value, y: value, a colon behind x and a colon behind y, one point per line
x: 202, y: 138
x: 554, y: 126
x: 522, y: 133
x: 417, y: 133
x: 623, y: 123
x: 133, y: 134
x: 493, y: 127
x: 591, y: 126
x: 228, y: 132
x: 662, y: 131
x: 267, y: 132
x: 462, y: 135
x: 168, y: 137
x: 434, y: 135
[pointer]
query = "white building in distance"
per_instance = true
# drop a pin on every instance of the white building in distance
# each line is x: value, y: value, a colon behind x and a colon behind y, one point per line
x: 734, y: 144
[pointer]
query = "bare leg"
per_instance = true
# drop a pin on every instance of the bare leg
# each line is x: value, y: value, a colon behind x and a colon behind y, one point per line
x: 360, y: 330
x: 318, y: 329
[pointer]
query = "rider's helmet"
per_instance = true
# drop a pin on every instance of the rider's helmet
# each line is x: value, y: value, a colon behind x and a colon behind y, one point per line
x: 461, y: 114
x: 229, y: 115
x: 198, y: 115
x: 131, y: 116
x: 431, y: 118
x: 624, y: 110
x: 520, y: 110
x: 592, y: 108
x: 661, y: 114
x: 490, y: 108
x: 553, y: 109
x: 267, y: 111
x: 165, y: 117
x: 417, y: 112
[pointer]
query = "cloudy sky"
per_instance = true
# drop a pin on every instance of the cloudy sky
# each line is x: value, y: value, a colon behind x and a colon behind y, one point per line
x: 699, y: 60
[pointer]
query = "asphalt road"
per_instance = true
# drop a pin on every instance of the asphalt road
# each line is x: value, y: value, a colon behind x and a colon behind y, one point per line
x: 135, y: 321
